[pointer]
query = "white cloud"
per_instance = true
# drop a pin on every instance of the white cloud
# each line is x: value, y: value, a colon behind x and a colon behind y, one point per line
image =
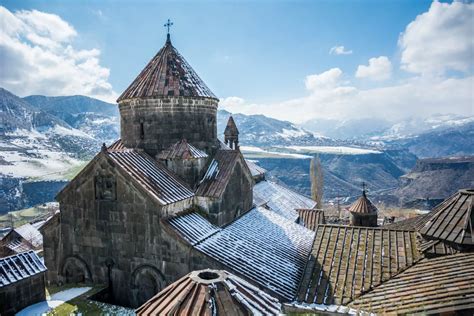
x: 37, y: 57
x: 335, y: 99
x: 435, y: 43
x: 329, y: 78
x: 439, y: 40
x: 379, y: 68
x: 339, y: 50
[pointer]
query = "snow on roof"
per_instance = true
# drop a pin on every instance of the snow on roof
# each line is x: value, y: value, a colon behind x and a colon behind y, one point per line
x: 31, y: 234
x: 153, y: 176
x: 281, y: 200
x: 18, y: 267
x: 217, y: 292
x: 255, y: 169
x: 193, y: 227
x: 219, y: 173
x: 181, y: 150
x: 264, y: 247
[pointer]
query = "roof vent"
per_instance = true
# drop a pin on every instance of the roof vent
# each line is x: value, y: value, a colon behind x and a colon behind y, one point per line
x: 208, y: 275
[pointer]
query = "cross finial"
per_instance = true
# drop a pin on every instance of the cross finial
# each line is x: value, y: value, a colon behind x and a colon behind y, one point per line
x: 168, y: 24
x: 363, y: 188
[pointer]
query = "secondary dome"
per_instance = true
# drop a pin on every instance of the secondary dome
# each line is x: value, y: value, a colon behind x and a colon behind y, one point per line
x: 362, y: 206
x: 210, y: 292
x: 167, y: 75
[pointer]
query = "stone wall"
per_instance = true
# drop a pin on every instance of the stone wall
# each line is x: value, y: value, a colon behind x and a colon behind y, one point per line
x: 119, y: 242
x: 18, y: 295
x: 156, y: 124
x: 190, y: 170
x: 235, y: 201
x: 51, y: 247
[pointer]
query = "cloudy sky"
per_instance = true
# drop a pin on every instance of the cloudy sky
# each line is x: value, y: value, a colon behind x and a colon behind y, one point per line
x: 295, y: 60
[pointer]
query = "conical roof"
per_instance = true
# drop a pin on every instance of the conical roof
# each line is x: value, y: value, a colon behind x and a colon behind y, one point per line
x: 363, y: 205
x: 453, y: 219
x: 181, y: 150
x: 210, y: 292
x: 231, y: 128
x: 167, y: 75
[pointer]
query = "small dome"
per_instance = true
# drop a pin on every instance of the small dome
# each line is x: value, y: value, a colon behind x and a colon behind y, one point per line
x: 210, y: 292
x: 362, y: 206
x: 453, y: 219
x: 167, y: 75
x: 182, y: 150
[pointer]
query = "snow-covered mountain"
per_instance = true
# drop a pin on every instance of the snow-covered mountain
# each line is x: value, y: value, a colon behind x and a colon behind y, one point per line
x: 374, y: 129
x: 259, y: 130
x: 40, y: 141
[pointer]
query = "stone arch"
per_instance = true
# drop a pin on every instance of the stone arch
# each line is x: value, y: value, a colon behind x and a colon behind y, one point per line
x: 76, y: 270
x: 146, y: 281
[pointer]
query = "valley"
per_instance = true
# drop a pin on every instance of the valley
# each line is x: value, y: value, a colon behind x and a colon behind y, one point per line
x: 45, y: 141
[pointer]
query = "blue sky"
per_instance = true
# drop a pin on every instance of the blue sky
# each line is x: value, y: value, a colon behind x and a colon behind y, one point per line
x: 252, y: 54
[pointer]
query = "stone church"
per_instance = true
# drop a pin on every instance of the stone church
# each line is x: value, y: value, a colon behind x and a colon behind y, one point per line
x: 168, y: 161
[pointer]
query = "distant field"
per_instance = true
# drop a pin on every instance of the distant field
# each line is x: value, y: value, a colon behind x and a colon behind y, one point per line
x: 23, y: 216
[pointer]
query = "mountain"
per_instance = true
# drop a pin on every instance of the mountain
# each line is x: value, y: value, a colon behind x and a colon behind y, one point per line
x: 434, y: 179
x: 259, y: 130
x: 46, y: 142
x: 441, y: 142
x: 355, y: 129
x: 91, y: 116
x: 374, y: 129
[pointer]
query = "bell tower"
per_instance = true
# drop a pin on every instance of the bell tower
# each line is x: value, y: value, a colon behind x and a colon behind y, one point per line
x: 231, y: 134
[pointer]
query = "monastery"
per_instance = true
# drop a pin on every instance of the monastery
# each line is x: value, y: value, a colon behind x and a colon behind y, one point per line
x: 170, y: 210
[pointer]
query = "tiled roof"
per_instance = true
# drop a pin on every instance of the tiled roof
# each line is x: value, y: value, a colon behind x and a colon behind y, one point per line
x: 432, y: 286
x: 193, y: 227
x: 348, y: 261
x: 453, y: 219
x: 19, y: 267
x: 435, y: 247
x: 255, y: 169
x: 153, y: 176
x: 414, y: 223
x: 18, y: 246
x: 210, y: 292
x: 231, y: 128
x: 311, y: 218
x: 182, y: 150
x: 31, y: 234
x: 363, y: 206
x: 167, y: 75
x: 117, y: 146
x: 263, y: 247
x: 218, y: 173
x: 279, y: 199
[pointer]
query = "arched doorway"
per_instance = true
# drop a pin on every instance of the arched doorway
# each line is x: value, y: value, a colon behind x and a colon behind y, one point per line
x: 75, y: 270
x: 146, y: 282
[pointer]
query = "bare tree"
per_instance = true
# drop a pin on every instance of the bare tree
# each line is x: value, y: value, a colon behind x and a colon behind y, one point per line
x: 317, y: 181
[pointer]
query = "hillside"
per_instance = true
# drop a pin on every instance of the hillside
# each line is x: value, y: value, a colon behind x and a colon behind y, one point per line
x: 432, y: 180
x: 49, y: 139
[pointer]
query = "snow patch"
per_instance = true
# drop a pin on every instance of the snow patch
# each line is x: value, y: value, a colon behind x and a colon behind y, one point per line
x: 55, y: 300
x: 338, y: 150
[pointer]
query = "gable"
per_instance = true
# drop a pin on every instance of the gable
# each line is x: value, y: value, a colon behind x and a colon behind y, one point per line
x: 149, y: 176
x: 220, y: 171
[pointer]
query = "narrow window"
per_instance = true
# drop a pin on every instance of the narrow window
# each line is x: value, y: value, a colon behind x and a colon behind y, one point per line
x: 142, y: 130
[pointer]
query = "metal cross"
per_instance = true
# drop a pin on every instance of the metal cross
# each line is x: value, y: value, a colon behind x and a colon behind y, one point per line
x: 168, y: 24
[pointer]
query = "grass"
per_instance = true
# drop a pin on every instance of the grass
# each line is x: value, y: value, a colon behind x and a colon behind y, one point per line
x: 79, y: 305
x: 72, y: 172
x: 21, y: 217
